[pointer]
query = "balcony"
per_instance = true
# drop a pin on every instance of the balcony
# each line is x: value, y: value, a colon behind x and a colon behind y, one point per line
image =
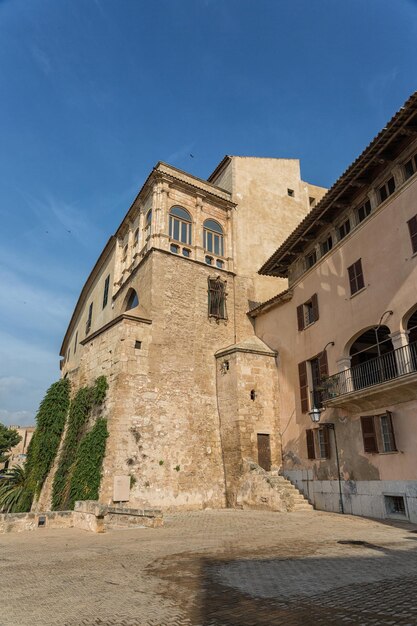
x: 387, y: 379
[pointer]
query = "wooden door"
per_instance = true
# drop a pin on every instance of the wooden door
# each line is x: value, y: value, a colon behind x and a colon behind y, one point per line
x: 264, y: 452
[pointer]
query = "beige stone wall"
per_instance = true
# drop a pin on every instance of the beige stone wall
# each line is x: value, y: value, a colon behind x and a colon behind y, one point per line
x: 239, y: 372
x: 265, y: 215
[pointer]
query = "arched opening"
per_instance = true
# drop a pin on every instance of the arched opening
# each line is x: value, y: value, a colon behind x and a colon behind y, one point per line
x: 412, y: 327
x: 213, y: 238
x: 372, y: 358
x: 180, y: 225
x: 132, y: 300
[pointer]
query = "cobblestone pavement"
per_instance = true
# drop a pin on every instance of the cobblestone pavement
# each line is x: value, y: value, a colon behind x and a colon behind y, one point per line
x: 213, y: 568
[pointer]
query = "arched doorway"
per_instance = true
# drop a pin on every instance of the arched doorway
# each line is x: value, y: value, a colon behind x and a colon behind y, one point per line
x: 372, y: 358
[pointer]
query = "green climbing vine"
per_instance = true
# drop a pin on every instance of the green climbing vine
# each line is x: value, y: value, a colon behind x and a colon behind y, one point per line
x: 86, y: 477
x: 50, y: 422
x: 80, y: 409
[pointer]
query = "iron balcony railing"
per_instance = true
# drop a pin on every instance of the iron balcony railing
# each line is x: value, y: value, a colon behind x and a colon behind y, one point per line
x: 395, y: 364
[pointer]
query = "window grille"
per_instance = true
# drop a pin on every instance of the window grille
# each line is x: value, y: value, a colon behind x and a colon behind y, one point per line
x: 217, y: 298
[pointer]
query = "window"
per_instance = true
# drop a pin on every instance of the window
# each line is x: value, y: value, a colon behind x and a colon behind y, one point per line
x: 343, y: 229
x: 290, y: 192
x: 311, y: 259
x: 311, y: 374
x: 318, y: 443
x: 124, y: 256
x: 410, y: 167
x: 217, y: 298
x: 148, y: 223
x: 363, y: 211
x: 213, y: 237
x: 89, y: 318
x: 219, y: 264
x: 386, y: 189
x: 106, y: 290
x: 186, y: 252
x: 136, y: 237
x: 412, y: 227
x: 326, y: 245
x: 308, y: 312
x: 395, y: 506
x: 180, y: 225
x: 138, y: 345
x: 174, y: 248
x: 378, y: 433
x: 356, y: 277
x: 75, y: 342
x: 209, y: 260
x: 132, y: 300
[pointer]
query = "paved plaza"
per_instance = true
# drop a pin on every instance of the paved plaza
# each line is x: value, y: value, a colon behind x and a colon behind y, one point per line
x: 213, y: 568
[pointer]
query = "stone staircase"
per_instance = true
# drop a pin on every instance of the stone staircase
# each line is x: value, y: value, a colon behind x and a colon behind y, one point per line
x: 292, y: 496
x: 260, y: 489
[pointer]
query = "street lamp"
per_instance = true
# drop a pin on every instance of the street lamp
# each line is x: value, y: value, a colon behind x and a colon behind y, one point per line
x: 315, y: 415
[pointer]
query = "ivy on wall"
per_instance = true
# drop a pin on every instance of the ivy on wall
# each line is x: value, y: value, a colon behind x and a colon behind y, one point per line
x: 43, y: 447
x: 86, y: 477
x: 80, y: 409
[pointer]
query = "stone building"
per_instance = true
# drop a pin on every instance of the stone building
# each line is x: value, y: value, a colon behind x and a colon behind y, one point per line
x: 346, y: 334
x: 193, y: 394
x: 18, y: 453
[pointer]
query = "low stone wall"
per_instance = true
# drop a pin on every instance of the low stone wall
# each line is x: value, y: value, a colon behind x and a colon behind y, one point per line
x: 138, y: 518
x: 18, y: 522
x: 87, y: 515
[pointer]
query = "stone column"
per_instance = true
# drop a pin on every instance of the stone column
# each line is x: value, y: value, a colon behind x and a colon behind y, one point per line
x: 118, y: 262
x: 403, y: 357
x: 345, y: 380
x: 197, y: 234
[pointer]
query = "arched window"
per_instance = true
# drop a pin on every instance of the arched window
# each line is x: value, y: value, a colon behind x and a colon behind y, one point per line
x: 136, y: 237
x: 180, y: 225
x: 148, y: 223
x: 372, y: 358
x: 132, y: 300
x: 412, y: 327
x: 213, y: 237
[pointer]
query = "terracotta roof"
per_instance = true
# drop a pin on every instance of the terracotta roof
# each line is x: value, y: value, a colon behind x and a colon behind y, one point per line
x: 387, y: 145
x: 283, y: 296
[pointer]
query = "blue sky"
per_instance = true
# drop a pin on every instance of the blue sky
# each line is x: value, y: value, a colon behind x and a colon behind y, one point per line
x: 94, y: 92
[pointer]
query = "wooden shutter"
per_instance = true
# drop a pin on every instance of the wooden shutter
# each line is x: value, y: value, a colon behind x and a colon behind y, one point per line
x: 315, y: 305
x: 300, y: 317
x: 391, y: 427
x: 323, y: 366
x: 359, y: 275
x: 368, y: 433
x: 302, y: 374
x: 326, y: 440
x: 352, y: 281
x: 412, y: 227
x: 310, y: 444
